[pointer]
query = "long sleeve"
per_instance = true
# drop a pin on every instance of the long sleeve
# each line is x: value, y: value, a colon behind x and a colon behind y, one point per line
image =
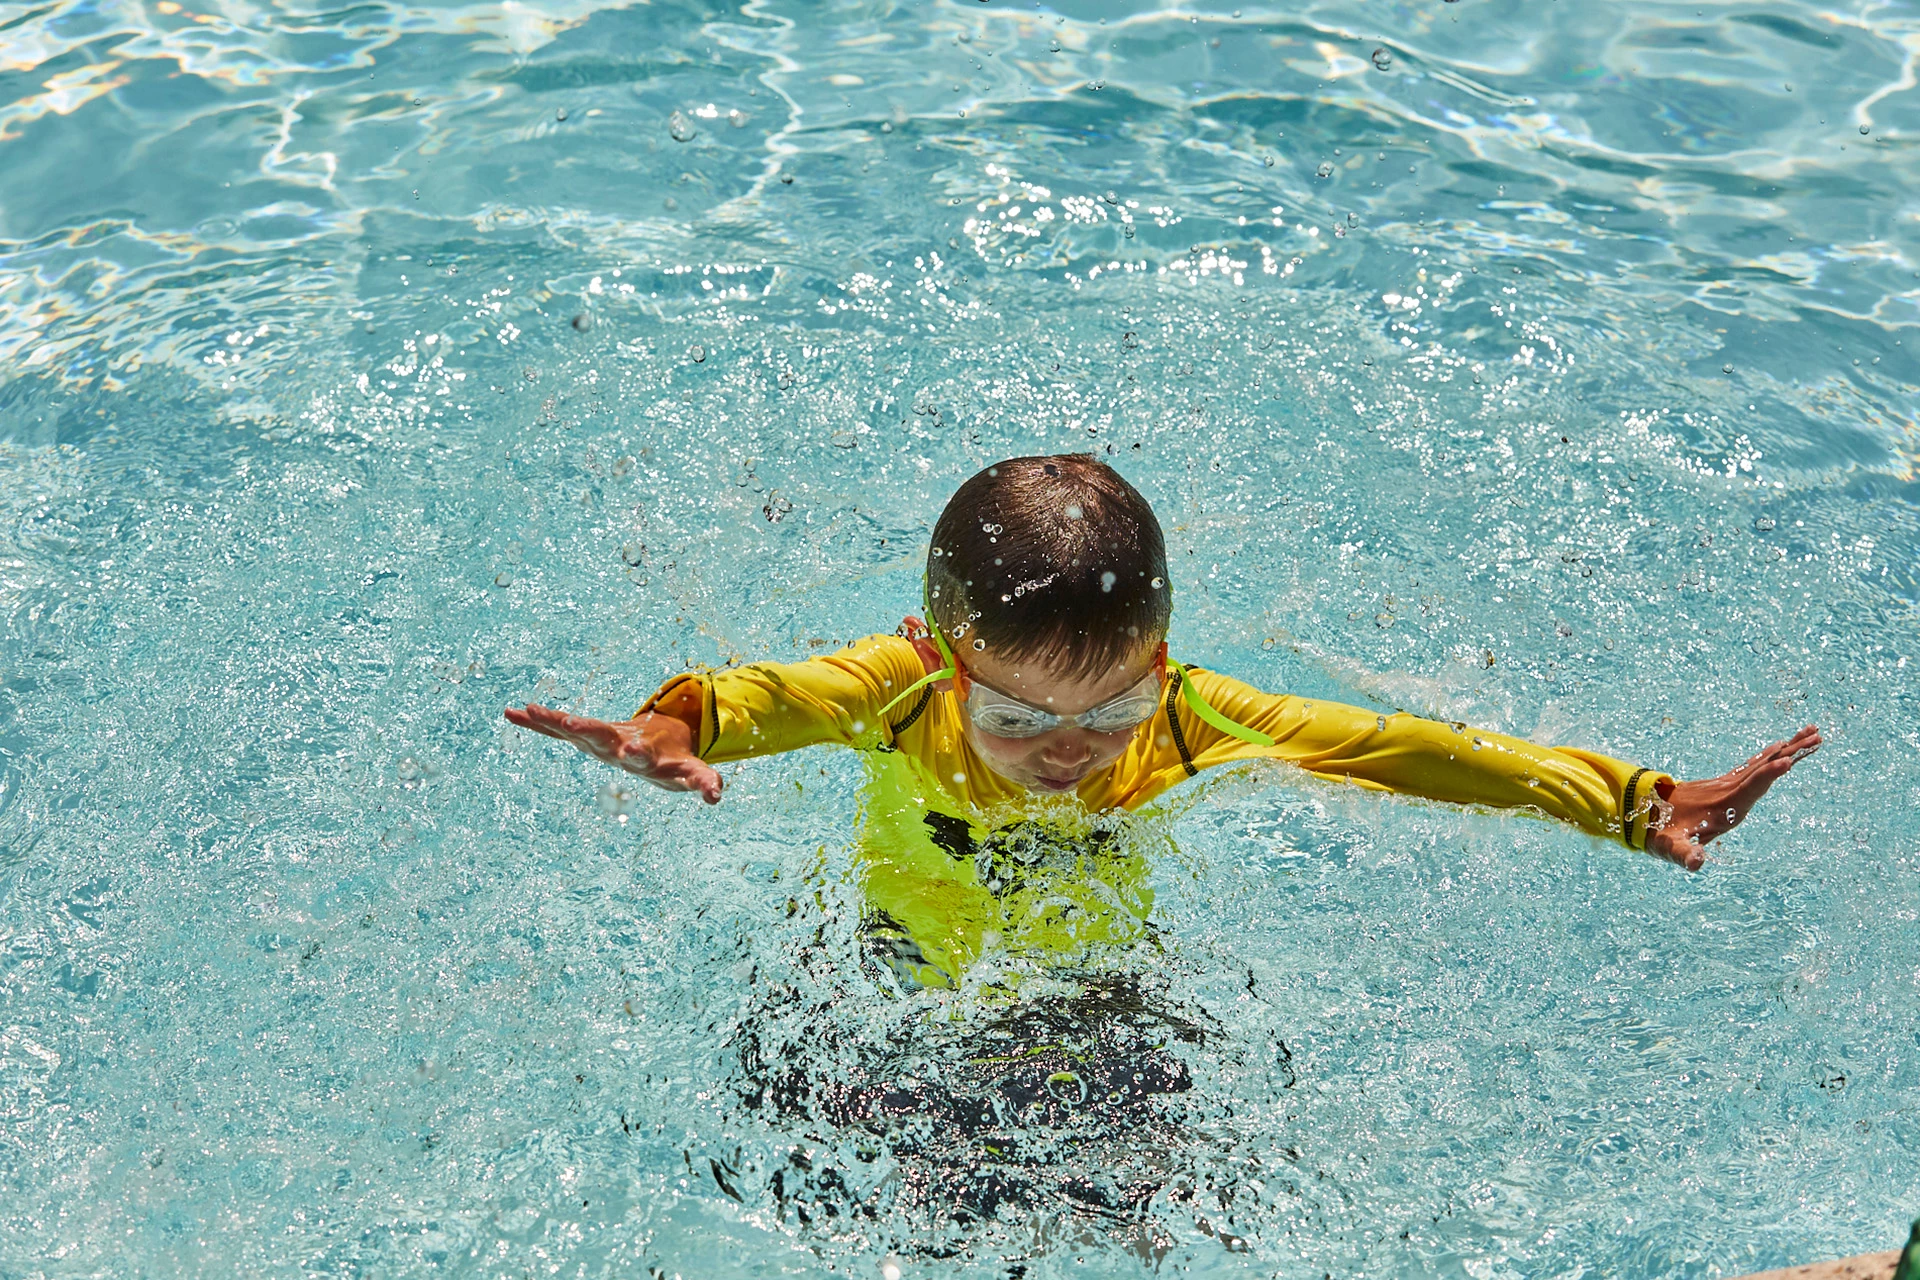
x: 1401, y: 753
x: 768, y: 707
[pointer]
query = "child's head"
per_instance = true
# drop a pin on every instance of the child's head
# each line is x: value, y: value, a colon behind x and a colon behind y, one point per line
x: 1048, y: 576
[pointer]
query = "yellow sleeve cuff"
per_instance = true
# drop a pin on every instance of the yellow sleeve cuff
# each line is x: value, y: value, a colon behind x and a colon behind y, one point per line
x: 684, y: 693
x: 1640, y: 806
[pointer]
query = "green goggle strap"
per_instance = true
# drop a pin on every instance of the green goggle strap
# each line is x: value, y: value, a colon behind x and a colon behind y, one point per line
x: 1212, y: 717
x: 945, y: 673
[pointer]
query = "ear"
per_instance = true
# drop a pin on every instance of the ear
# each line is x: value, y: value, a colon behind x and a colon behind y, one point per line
x: 931, y: 661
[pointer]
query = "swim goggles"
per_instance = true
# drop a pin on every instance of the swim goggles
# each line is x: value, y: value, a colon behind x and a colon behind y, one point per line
x: 1006, y: 717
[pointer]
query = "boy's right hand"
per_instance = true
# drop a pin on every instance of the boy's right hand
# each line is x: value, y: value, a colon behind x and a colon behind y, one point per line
x: 658, y: 748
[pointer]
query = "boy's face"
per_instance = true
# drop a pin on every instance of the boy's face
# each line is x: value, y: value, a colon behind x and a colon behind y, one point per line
x: 1060, y: 759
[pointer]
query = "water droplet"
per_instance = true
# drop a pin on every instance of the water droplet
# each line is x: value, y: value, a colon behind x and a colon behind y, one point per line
x: 1764, y: 524
x: 561, y: 114
x: 681, y: 128
x: 1380, y: 723
x: 1726, y: 368
x: 615, y: 799
x: 1865, y: 129
x: 696, y: 353
x: 1383, y: 59
x: 1325, y: 170
x: 583, y: 322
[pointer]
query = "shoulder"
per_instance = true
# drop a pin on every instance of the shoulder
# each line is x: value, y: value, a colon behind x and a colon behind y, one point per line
x: 884, y: 655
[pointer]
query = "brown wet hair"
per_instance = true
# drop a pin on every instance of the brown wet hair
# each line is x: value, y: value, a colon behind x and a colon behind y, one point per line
x: 1054, y: 558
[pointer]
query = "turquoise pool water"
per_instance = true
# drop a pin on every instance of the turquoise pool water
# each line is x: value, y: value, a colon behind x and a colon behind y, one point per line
x: 364, y: 369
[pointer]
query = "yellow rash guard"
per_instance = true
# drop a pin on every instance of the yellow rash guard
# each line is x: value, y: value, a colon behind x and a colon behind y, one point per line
x: 959, y: 862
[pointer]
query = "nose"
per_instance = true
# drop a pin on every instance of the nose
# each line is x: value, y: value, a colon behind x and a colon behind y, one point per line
x: 1066, y: 751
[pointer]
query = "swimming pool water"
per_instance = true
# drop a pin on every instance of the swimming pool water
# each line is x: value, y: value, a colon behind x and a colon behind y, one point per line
x: 365, y: 369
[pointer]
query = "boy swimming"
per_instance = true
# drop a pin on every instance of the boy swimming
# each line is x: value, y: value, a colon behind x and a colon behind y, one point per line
x: 1037, y: 696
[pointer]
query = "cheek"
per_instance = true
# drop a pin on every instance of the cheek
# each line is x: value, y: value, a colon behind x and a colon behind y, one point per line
x: 1004, y: 750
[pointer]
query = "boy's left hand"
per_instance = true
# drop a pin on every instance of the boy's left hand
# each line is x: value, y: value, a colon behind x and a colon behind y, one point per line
x: 1712, y: 807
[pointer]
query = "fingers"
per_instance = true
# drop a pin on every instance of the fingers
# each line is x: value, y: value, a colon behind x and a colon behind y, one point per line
x: 1679, y: 847
x: 623, y: 746
x: 537, y: 718
x: 692, y: 775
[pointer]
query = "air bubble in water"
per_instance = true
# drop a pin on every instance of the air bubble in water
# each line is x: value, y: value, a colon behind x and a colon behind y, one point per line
x: 737, y: 118
x: 1865, y: 129
x: 1726, y: 368
x: 1383, y: 59
x: 1325, y: 170
x: 503, y: 579
x: 583, y: 322
x: 633, y: 553
x: 886, y: 126
x: 696, y: 353
x: 1268, y: 162
x: 979, y: 645
x: 681, y: 128
x: 1053, y: 45
x: 561, y: 114
x: 1764, y: 524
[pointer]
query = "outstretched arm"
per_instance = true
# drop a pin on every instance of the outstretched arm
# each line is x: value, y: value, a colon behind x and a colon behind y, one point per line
x: 1441, y: 760
x: 655, y: 746
x: 1705, y: 810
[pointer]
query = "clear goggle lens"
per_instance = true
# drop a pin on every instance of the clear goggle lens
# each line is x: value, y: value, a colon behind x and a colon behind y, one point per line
x: 1002, y: 717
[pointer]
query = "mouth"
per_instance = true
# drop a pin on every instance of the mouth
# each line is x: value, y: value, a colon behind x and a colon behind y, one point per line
x: 1056, y: 784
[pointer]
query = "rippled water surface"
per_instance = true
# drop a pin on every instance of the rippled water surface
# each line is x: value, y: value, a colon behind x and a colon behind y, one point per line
x: 363, y: 369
